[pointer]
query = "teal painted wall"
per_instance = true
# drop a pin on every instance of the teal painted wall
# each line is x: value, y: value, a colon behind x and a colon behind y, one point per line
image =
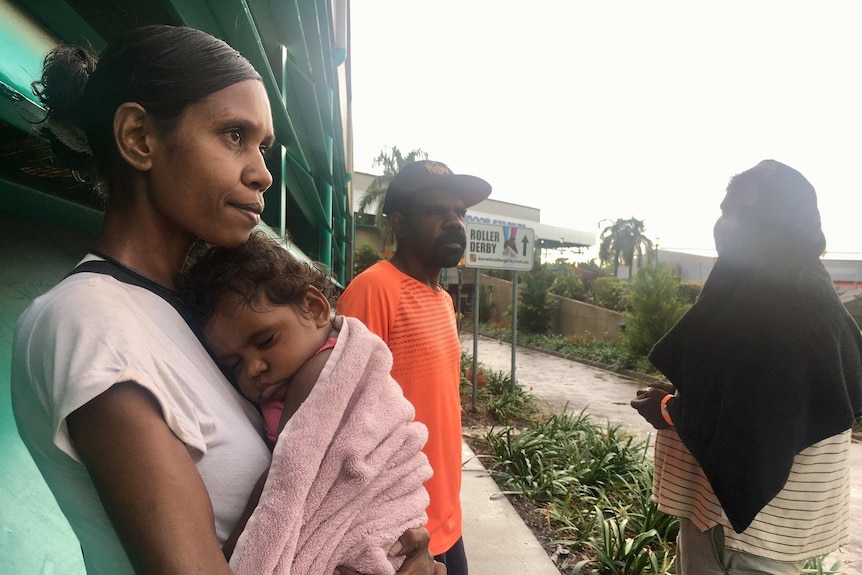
x: 34, y: 536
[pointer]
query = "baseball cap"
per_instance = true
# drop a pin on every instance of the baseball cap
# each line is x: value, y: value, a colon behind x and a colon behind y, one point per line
x: 423, y: 175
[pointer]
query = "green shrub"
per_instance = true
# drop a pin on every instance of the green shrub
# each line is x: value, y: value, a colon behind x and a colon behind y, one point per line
x: 564, y: 454
x: 618, y: 554
x: 643, y: 513
x: 486, y: 306
x: 511, y: 406
x: 688, y: 293
x: 569, y: 286
x: 654, y: 309
x: 607, y: 353
x: 506, y: 402
x: 611, y: 292
x: 535, y: 308
x: 364, y: 258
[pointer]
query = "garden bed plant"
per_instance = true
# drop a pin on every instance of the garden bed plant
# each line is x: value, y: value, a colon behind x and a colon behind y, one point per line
x: 608, y: 354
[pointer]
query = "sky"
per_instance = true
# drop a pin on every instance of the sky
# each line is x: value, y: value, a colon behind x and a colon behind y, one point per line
x: 596, y: 109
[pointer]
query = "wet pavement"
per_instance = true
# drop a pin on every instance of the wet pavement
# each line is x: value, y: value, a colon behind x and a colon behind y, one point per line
x: 605, y: 395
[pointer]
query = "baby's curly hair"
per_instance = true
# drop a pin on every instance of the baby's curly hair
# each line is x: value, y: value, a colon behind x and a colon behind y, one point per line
x: 259, y: 267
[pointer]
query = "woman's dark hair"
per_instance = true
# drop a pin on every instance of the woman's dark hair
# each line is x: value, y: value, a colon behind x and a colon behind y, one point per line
x: 162, y: 68
x: 782, y: 222
x: 258, y: 267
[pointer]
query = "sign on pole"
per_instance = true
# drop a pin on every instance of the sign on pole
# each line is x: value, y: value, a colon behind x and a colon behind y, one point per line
x: 499, y: 247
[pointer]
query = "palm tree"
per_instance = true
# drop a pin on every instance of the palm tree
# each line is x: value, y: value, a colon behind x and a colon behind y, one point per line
x: 622, y: 241
x: 372, y: 201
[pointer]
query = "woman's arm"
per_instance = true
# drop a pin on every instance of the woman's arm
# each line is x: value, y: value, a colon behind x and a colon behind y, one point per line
x: 253, y: 500
x: 148, y: 483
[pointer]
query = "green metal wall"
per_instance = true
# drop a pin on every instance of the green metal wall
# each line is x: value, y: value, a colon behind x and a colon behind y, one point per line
x: 34, y: 536
x: 293, y: 45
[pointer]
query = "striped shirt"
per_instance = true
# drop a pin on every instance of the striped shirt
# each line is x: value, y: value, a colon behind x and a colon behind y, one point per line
x: 810, y: 516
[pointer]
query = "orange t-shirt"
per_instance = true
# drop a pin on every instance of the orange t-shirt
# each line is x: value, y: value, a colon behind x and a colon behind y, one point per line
x: 418, y: 325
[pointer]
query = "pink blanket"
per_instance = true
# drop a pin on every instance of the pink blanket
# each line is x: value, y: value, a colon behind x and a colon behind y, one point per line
x: 347, y: 472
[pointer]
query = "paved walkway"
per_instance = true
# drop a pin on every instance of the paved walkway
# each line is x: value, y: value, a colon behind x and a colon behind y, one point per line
x: 606, y: 396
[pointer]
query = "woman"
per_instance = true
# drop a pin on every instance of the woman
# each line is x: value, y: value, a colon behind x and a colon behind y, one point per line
x: 149, y: 451
x: 753, y: 448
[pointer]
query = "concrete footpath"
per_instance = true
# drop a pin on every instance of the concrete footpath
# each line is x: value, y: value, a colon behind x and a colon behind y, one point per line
x: 496, y: 539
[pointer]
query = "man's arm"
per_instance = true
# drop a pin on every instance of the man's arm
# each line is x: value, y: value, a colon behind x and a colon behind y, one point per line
x: 148, y: 483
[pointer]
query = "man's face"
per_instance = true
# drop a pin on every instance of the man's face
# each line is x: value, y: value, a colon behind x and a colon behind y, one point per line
x: 434, y: 231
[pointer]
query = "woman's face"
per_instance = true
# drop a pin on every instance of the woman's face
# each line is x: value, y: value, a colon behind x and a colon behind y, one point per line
x: 208, y: 174
x: 731, y: 237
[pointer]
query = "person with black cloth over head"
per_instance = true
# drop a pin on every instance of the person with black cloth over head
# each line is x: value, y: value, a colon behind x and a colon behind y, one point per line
x: 752, y: 452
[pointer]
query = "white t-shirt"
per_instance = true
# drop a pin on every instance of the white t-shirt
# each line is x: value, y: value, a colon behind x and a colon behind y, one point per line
x: 92, y: 331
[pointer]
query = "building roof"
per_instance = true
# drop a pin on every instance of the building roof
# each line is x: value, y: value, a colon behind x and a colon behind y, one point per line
x: 547, y: 236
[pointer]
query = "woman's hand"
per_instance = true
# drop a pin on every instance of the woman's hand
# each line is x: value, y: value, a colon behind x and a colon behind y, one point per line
x: 414, y: 544
x: 665, y: 386
x: 648, y: 403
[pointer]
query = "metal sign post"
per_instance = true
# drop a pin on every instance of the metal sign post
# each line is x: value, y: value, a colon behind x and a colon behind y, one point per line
x: 499, y: 247
x: 514, y: 327
x: 458, y: 303
x: 475, y: 334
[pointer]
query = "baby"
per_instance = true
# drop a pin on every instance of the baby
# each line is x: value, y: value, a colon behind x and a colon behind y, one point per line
x: 347, y: 470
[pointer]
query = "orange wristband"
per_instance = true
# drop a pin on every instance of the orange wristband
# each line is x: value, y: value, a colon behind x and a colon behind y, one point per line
x: 664, y: 412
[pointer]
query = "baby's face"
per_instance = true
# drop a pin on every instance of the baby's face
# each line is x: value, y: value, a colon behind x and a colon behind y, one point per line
x: 263, y: 347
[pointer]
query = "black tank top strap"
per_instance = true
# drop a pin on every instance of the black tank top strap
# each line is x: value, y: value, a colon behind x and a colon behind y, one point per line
x: 111, y: 267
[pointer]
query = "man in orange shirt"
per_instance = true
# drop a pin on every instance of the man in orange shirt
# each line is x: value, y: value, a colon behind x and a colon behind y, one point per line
x: 401, y: 301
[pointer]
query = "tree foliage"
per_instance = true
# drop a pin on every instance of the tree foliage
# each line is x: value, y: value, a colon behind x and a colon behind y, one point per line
x: 655, y: 308
x: 622, y: 241
x: 364, y: 258
x: 535, y: 308
x: 569, y: 286
x: 390, y: 161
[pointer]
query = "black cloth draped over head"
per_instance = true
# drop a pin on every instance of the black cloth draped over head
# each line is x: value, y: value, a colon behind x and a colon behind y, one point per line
x: 766, y: 363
